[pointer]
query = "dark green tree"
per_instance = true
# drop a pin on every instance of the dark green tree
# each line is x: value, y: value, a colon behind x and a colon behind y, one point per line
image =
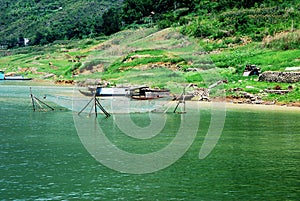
x: 21, y: 41
x: 12, y: 42
x: 135, y: 10
x: 111, y: 21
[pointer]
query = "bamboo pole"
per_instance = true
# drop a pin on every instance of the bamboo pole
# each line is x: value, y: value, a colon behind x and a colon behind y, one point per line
x: 44, y: 103
x: 37, y: 102
x: 102, y: 108
x: 85, y: 107
x: 96, y: 103
x: 32, y: 100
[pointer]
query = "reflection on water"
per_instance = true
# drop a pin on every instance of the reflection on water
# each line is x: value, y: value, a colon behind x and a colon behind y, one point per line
x: 42, y: 158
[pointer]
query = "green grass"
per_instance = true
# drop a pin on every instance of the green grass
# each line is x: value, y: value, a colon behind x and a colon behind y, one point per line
x: 252, y: 85
x: 47, y: 59
x: 276, y: 60
x: 120, y: 56
x: 266, y: 59
x: 143, y: 58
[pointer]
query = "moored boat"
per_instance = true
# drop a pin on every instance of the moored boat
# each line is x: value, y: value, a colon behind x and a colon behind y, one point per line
x: 105, y: 91
x: 137, y: 93
x: 12, y: 77
x: 146, y: 93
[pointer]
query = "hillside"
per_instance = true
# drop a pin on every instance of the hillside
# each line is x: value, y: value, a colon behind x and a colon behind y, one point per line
x: 45, y: 21
x: 195, y: 49
x: 158, y: 58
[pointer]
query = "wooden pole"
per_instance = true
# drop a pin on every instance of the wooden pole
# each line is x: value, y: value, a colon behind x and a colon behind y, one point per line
x: 32, y: 99
x: 95, y: 105
x: 181, y: 95
x: 183, y: 101
x: 44, y: 103
x: 176, y: 107
x: 85, y: 107
x: 102, y: 108
x: 35, y: 101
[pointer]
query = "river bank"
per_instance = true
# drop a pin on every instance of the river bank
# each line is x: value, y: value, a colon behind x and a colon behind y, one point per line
x: 241, y: 101
x: 231, y: 102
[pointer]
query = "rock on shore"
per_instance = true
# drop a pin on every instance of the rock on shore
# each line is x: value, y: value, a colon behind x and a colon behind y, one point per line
x: 286, y: 77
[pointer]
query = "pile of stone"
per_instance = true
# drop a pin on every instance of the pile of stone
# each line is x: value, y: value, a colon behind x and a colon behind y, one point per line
x: 245, y: 97
x: 63, y: 82
x: 286, y: 77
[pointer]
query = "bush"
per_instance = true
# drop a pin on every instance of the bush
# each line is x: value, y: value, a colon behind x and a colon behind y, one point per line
x: 90, y: 65
x: 283, y: 41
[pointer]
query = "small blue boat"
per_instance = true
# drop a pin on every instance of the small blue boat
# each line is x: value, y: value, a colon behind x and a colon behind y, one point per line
x: 12, y: 77
x: 2, y: 76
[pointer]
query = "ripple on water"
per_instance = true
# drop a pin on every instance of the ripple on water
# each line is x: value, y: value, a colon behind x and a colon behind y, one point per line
x: 42, y: 158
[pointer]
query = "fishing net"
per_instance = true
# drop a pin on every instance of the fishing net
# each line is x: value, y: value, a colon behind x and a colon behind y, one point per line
x: 109, y: 104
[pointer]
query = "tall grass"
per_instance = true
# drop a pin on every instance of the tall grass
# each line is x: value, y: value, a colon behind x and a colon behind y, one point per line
x: 283, y: 41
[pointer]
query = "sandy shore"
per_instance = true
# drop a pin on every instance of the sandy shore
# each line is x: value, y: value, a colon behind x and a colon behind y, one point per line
x: 262, y: 107
x: 247, y: 107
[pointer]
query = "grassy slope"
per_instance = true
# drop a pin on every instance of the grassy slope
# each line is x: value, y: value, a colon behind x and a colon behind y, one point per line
x: 110, y: 60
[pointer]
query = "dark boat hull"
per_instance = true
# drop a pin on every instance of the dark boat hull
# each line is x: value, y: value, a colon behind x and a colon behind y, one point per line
x: 144, y: 98
x: 86, y: 93
x: 17, y: 79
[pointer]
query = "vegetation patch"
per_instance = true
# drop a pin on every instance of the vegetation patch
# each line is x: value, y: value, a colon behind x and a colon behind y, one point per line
x: 144, y: 59
x: 283, y: 41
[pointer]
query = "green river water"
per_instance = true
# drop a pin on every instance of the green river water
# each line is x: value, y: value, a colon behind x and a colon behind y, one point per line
x: 42, y: 157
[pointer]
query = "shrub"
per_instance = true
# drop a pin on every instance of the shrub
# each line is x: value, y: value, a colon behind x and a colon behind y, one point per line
x: 90, y: 64
x: 283, y: 41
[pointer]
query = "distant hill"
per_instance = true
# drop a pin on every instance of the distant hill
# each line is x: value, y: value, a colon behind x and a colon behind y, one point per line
x: 50, y: 20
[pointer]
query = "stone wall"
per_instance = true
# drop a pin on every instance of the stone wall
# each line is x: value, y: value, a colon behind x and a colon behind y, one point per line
x: 287, y: 77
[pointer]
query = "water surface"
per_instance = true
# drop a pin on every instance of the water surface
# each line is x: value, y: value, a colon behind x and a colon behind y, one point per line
x: 42, y: 157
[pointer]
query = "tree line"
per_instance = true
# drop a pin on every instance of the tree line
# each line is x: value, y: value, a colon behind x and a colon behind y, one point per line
x: 44, y: 21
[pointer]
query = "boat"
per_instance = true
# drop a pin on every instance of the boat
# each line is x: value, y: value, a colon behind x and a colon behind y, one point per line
x: 251, y: 70
x: 136, y: 93
x: 17, y: 77
x: 2, y: 76
x: 105, y: 91
x: 146, y: 93
x: 12, y: 77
